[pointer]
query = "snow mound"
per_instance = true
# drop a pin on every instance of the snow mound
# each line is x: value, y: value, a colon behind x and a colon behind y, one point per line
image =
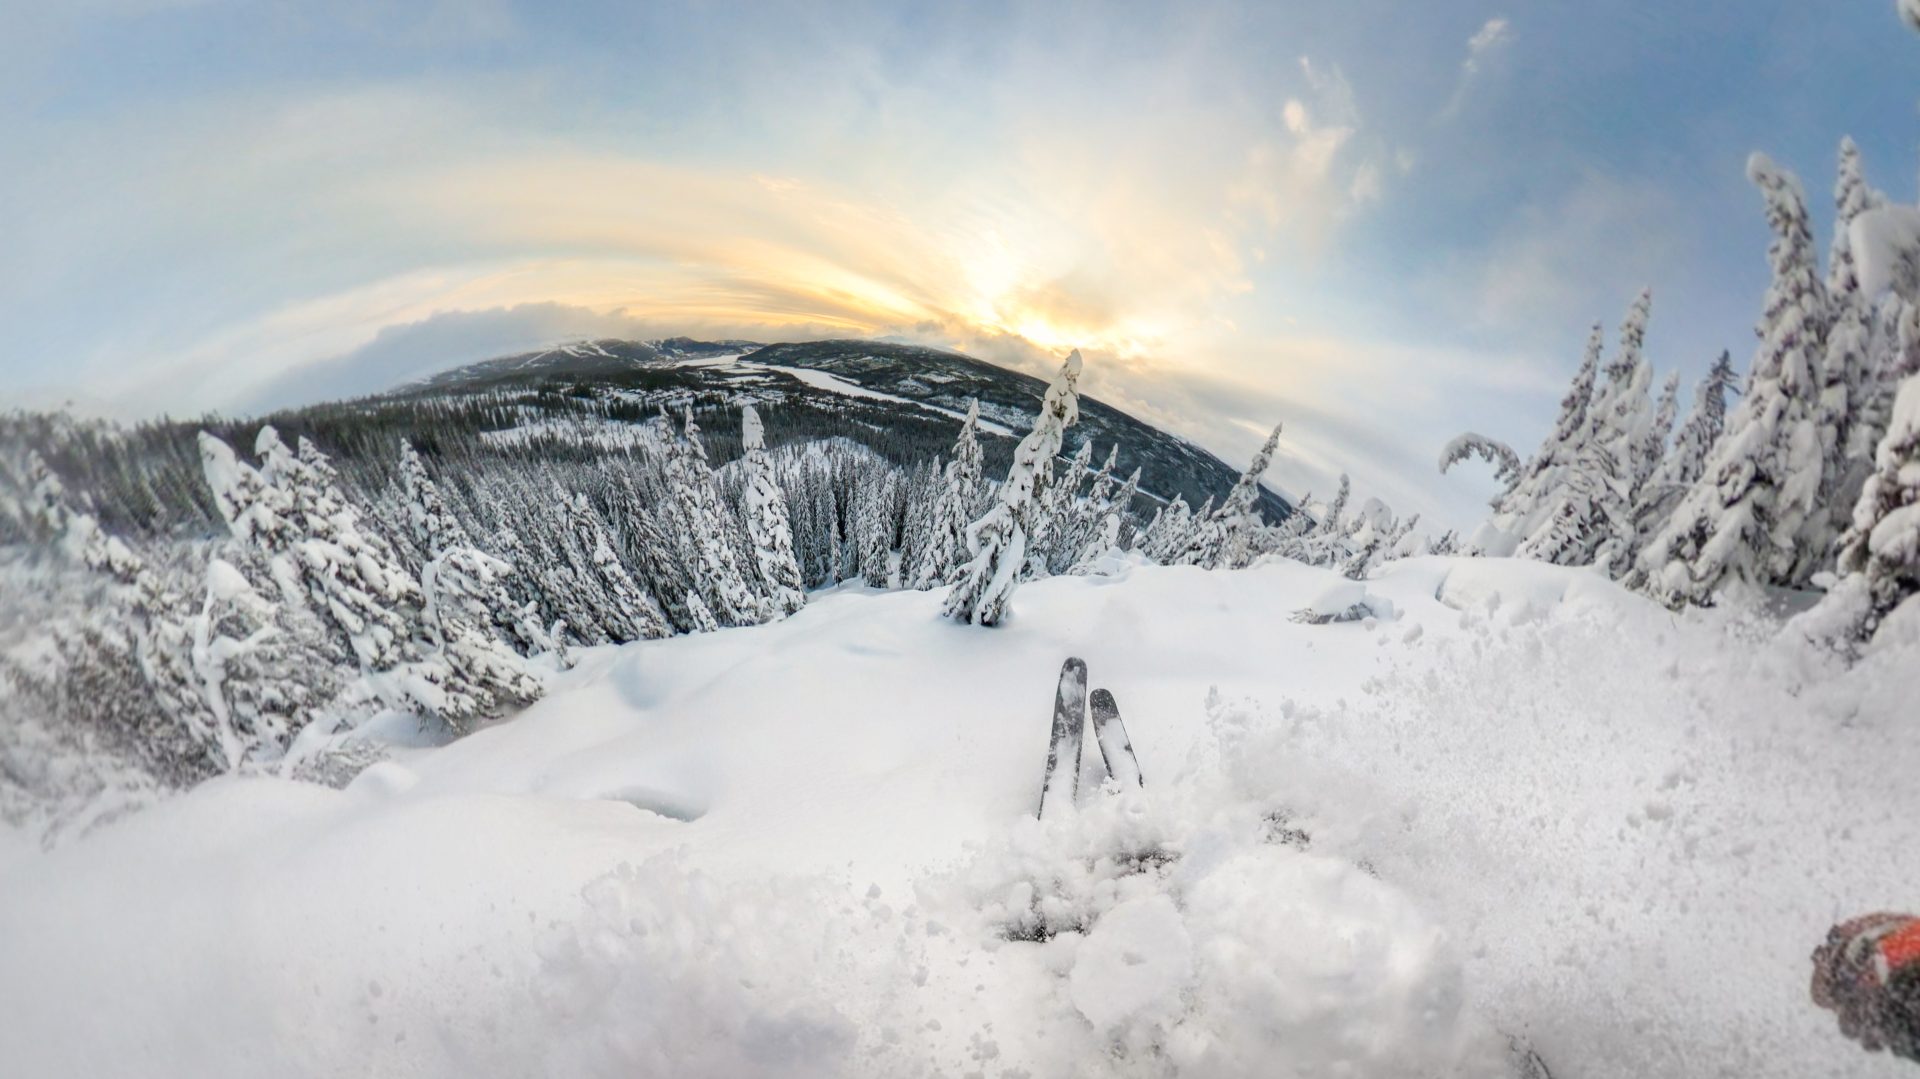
x: 1518, y: 591
x: 1345, y: 601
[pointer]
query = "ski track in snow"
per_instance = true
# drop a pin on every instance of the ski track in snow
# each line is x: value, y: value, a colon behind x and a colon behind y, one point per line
x: 1532, y: 804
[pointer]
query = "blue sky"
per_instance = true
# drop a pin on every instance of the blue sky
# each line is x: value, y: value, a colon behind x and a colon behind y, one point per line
x: 1378, y: 222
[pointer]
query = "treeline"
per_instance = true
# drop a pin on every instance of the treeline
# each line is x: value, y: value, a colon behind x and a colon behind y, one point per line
x: 1811, y: 479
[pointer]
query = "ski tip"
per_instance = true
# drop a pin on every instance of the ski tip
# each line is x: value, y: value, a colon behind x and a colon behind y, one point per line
x: 1074, y: 665
x: 1103, y: 703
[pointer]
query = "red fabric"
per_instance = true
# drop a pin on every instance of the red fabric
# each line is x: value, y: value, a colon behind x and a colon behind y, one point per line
x: 1902, y: 946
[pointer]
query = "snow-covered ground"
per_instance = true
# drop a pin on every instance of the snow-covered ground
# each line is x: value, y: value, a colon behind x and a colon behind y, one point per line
x: 1517, y: 802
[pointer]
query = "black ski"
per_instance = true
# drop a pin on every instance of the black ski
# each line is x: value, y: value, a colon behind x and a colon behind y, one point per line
x: 1115, y: 747
x: 1062, y: 783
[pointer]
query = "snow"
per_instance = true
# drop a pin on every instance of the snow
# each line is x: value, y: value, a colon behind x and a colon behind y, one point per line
x: 1886, y: 244
x: 1531, y: 804
x: 832, y: 383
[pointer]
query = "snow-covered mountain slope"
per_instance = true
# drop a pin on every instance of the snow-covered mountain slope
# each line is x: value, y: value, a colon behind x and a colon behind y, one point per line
x: 891, y: 387
x: 1515, y: 801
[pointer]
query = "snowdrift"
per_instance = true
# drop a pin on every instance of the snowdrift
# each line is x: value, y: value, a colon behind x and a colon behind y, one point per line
x: 1500, y: 801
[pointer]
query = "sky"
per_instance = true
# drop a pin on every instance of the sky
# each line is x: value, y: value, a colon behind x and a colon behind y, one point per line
x: 1379, y: 223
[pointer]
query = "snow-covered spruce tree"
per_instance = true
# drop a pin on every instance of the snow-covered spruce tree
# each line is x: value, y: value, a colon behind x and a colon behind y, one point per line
x: 228, y: 681
x: 1225, y: 538
x: 1375, y: 538
x: 1288, y: 538
x: 716, y: 571
x: 1851, y: 411
x: 999, y: 540
x: 314, y: 541
x: 1062, y: 511
x: 1653, y: 451
x: 1682, y: 466
x: 1328, y: 542
x: 433, y: 527
x: 1167, y: 533
x: 941, y: 555
x: 642, y: 516
x: 768, y: 523
x: 1742, y: 521
x: 880, y: 504
x: 703, y: 621
x: 253, y: 688
x: 1087, y: 516
x: 1880, y: 553
x: 1590, y: 516
x: 1518, y: 510
x: 473, y: 584
x: 413, y: 654
x: 627, y: 611
x: 921, y: 485
x: 1110, y: 533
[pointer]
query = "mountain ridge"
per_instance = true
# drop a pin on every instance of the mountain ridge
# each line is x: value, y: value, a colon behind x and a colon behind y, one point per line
x: 861, y: 379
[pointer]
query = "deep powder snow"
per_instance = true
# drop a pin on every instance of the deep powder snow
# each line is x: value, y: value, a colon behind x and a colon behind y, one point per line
x: 1514, y: 802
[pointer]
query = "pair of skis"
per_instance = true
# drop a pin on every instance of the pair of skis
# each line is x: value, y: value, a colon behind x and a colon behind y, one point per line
x: 1061, y: 787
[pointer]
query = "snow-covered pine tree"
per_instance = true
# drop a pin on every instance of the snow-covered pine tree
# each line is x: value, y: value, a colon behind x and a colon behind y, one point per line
x: 1851, y: 420
x: 1224, y: 539
x: 1288, y: 539
x: 475, y: 583
x: 880, y: 502
x: 571, y: 598
x: 1167, y: 532
x: 1327, y: 542
x: 703, y: 620
x: 1742, y: 520
x: 415, y: 652
x: 768, y: 523
x: 1519, y: 510
x: 1682, y: 466
x: 1880, y: 553
x: 999, y: 540
x: 1590, y: 516
x: 1085, y: 518
x: 716, y: 571
x: 627, y: 611
x: 922, y: 486
x: 432, y: 526
x: 942, y: 554
x: 1375, y: 534
x: 313, y: 538
x: 1061, y: 512
x: 1653, y: 451
x: 1105, y: 540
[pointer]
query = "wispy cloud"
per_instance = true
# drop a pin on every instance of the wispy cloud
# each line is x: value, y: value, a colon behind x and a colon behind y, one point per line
x: 1484, y: 48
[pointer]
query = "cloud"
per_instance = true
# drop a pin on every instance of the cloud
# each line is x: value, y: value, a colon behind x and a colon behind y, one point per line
x: 1483, y: 48
x: 1304, y: 185
x: 1496, y: 34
